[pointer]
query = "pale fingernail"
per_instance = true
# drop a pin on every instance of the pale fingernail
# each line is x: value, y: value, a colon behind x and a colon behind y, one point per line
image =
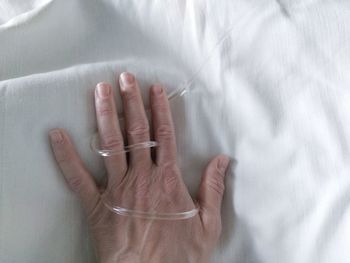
x: 103, y: 90
x: 223, y: 164
x: 56, y: 136
x: 158, y: 90
x: 126, y: 81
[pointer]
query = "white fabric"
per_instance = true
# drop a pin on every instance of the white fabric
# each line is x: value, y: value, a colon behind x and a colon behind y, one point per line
x: 274, y: 95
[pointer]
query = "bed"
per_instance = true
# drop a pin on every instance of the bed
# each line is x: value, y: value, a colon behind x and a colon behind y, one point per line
x: 270, y: 87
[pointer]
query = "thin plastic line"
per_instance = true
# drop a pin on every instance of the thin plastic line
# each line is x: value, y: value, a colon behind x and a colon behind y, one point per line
x: 128, y: 148
x: 179, y: 92
x: 151, y: 215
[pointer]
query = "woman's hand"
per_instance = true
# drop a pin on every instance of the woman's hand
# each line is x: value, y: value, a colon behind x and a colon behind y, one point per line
x: 143, y: 182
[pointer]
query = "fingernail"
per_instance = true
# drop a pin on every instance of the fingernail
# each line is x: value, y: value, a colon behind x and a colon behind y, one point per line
x: 157, y: 89
x: 56, y: 136
x: 126, y: 80
x: 223, y: 164
x: 103, y: 90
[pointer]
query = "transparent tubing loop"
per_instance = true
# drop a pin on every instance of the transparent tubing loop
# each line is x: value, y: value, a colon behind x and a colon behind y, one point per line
x: 179, y: 92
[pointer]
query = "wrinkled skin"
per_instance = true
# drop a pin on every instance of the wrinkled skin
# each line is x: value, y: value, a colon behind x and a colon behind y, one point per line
x: 143, y: 182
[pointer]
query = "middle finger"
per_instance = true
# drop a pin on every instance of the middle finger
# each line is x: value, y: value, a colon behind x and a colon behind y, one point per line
x: 136, y: 122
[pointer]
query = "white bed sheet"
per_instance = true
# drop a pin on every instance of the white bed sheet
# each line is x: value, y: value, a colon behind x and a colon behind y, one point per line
x: 274, y: 95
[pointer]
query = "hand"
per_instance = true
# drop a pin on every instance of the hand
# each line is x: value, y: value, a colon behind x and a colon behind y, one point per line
x: 125, y: 239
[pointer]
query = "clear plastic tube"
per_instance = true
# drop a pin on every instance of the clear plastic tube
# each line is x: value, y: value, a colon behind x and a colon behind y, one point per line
x: 94, y: 142
x: 117, y: 204
x: 159, y: 204
x: 149, y: 214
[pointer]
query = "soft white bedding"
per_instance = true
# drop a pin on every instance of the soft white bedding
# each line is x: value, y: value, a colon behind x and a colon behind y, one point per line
x: 273, y: 94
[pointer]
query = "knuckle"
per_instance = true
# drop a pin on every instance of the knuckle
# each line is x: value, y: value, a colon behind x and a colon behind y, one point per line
x: 216, y: 185
x: 159, y: 106
x: 142, y: 186
x: 75, y: 183
x: 165, y: 132
x: 64, y: 157
x: 130, y: 96
x: 112, y: 142
x: 141, y: 128
x: 105, y: 109
x: 170, y: 182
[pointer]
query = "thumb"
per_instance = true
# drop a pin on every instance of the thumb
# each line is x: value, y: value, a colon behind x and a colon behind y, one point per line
x: 211, y: 189
x: 73, y: 169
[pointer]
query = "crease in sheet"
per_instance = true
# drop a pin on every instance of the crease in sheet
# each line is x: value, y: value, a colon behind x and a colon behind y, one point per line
x: 25, y: 17
x: 132, y: 61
